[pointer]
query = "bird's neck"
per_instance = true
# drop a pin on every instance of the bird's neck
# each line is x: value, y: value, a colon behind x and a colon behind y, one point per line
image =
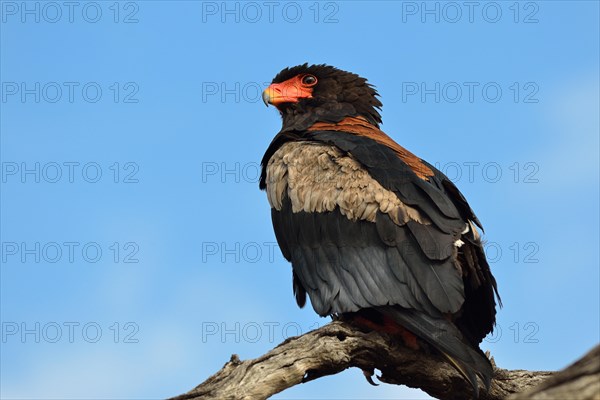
x: 298, y: 118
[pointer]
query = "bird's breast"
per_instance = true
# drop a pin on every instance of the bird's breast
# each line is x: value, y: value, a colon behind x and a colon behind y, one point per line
x: 320, y: 178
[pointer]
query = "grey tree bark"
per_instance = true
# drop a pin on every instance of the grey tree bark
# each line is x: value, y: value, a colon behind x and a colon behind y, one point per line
x: 338, y: 346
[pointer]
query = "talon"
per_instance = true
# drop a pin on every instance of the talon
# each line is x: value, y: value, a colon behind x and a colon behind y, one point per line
x: 369, y: 377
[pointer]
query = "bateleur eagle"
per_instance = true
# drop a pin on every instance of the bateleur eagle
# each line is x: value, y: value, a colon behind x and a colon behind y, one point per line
x: 375, y: 235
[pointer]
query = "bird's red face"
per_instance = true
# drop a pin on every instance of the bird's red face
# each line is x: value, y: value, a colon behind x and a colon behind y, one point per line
x: 290, y: 91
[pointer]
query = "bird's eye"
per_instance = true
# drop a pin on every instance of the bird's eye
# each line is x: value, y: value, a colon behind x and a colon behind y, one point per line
x: 309, y: 80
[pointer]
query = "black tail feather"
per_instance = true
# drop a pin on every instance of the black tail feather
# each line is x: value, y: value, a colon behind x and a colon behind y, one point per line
x: 447, y: 339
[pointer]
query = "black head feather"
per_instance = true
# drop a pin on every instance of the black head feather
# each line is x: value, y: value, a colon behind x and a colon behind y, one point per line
x: 337, y: 94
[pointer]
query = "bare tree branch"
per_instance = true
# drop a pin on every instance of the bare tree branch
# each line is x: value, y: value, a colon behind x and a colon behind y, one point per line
x: 580, y: 381
x: 338, y: 346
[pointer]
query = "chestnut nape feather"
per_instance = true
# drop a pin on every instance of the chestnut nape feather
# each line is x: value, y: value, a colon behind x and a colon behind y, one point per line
x: 337, y: 94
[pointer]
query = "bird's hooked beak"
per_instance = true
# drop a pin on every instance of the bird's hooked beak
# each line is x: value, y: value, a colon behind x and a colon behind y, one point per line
x: 266, y: 97
x: 290, y: 91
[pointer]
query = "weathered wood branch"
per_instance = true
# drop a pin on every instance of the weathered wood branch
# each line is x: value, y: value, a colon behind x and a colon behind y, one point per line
x: 579, y: 381
x: 338, y: 346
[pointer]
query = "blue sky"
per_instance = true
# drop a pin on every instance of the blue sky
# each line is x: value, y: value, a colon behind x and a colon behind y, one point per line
x: 137, y: 251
